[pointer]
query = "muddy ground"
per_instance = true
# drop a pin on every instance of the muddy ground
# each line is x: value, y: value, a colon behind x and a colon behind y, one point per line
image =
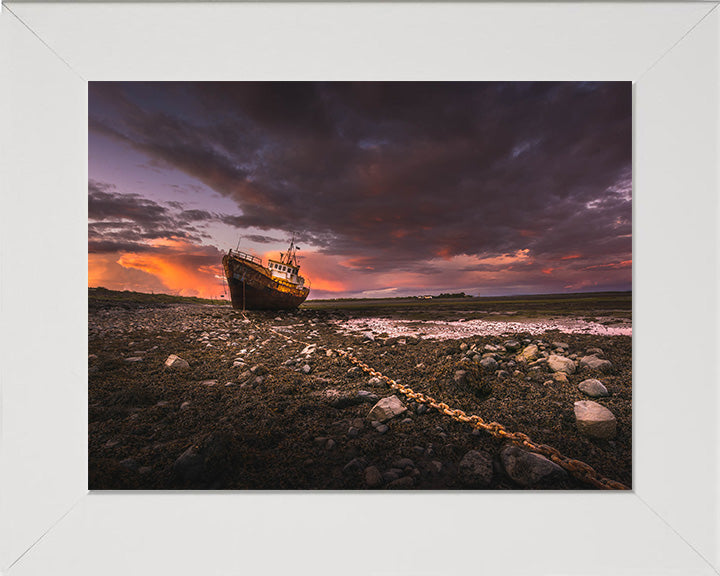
x: 255, y: 411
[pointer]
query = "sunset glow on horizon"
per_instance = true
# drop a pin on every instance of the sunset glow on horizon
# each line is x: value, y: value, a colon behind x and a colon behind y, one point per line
x: 390, y: 189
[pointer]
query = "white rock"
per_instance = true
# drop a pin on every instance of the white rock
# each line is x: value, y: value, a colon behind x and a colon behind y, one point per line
x: 594, y: 420
x: 386, y: 408
x: 175, y: 362
x: 593, y: 387
x: 561, y: 364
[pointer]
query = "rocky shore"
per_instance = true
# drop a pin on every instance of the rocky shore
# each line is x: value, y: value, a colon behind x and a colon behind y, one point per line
x: 199, y: 397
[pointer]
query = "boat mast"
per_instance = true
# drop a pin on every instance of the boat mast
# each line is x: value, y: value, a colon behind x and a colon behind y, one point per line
x: 290, y: 257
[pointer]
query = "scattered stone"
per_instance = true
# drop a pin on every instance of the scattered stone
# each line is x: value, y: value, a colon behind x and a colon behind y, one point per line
x: 404, y: 483
x: 560, y: 345
x: 353, y: 432
x: 374, y: 381
x: 208, y: 382
x: 595, y: 363
x: 421, y: 409
x: 470, y: 379
x: 511, y: 345
x: 561, y: 364
x: 489, y: 363
x: 501, y: 374
x: 175, y: 362
x: 342, y: 401
x: 386, y: 409
x: 476, y: 469
x: 330, y: 444
x: 306, y: 369
x: 529, y: 469
x: 548, y: 382
x: 258, y: 370
x: 373, y: 477
x: 403, y: 463
x: 368, y: 397
x: 528, y: 354
x: 355, y: 466
x: 436, y: 466
x: 595, y: 352
x: 189, y: 465
x: 134, y: 359
x: 129, y: 463
x: 185, y: 405
x: 391, y: 475
x: 560, y: 377
x: 593, y: 387
x: 594, y: 420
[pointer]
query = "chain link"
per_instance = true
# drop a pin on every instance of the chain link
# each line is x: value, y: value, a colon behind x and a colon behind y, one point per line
x: 578, y: 469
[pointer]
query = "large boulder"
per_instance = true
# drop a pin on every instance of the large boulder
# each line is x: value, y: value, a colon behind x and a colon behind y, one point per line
x: 561, y: 364
x: 529, y: 469
x: 594, y: 420
x: 386, y: 408
x: 595, y: 363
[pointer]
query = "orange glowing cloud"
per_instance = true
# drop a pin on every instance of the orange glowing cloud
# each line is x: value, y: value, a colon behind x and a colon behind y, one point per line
x: 178, y: 273
x: 571, y: 257
x: 610, y: 266
x: 169, y: 265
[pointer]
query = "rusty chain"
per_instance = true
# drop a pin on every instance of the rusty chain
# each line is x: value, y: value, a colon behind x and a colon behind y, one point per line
x: 578, y: 469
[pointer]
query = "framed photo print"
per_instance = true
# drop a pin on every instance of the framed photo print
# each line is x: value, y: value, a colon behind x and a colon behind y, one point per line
x: 359, y: 288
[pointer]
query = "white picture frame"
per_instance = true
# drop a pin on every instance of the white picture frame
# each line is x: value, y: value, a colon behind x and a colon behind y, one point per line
x: 50, y: 524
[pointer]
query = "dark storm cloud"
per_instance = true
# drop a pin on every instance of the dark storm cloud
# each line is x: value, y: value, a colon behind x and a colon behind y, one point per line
x: 400, y: 172
x: 121, y: 222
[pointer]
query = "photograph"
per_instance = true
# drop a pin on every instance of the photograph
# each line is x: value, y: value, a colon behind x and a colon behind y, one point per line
x: 370, y: 285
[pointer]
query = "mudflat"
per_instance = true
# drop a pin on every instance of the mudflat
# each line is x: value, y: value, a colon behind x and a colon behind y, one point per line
x: 263, y: 400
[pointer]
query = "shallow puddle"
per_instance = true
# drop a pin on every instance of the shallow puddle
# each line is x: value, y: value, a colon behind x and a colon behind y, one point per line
x: 464, y: 328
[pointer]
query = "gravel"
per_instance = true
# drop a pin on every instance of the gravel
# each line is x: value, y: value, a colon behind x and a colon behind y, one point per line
x: 260, y: 432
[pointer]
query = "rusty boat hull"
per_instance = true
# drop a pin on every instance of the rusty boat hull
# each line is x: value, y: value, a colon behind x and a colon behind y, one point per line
x: 252, y: 286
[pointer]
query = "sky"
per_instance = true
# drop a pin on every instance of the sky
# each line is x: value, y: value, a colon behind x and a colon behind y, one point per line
x: 390, y: 188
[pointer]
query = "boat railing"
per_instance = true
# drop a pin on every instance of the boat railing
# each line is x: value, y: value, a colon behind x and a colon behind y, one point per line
x: 245, y: 256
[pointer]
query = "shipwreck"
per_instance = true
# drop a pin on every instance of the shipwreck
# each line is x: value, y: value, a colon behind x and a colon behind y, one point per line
x: 254, y: 286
